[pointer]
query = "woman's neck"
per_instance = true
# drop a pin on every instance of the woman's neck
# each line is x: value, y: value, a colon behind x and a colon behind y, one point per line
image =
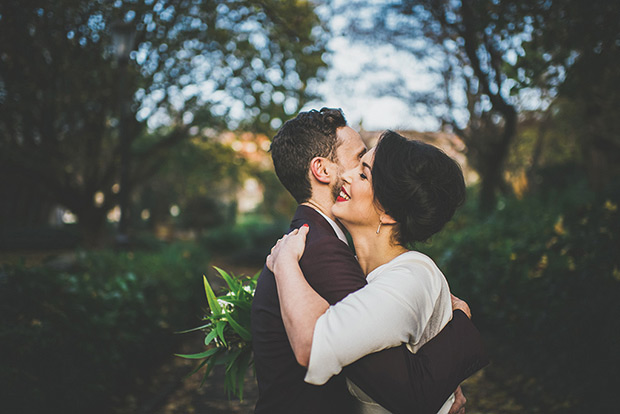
x: 374, y: 250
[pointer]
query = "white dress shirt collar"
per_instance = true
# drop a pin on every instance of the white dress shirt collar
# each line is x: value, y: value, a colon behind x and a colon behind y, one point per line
x: 335, y: 226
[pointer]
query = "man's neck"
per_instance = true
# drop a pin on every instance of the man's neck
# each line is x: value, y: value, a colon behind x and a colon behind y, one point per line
x: 325, y: 208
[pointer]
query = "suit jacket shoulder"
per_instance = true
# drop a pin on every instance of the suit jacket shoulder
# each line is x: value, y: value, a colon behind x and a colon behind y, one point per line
x: 328, y: 263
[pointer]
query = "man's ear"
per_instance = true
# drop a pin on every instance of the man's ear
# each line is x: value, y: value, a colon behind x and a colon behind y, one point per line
x: 321, y: 170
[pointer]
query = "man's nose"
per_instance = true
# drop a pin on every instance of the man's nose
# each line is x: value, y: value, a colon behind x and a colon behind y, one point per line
x: 347, y: 176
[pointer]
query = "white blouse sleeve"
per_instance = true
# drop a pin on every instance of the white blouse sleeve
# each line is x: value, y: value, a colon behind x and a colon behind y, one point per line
x: 392, y: 309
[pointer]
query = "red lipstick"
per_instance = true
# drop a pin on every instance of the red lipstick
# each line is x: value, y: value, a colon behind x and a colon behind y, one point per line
x: 343, y: 196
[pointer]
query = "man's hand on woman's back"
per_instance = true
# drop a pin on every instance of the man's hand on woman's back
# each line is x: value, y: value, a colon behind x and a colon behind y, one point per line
x: 458, y: 407
x: 461, y: 305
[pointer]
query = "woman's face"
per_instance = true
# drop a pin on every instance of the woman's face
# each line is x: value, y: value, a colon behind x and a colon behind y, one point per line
x: 355, y: 205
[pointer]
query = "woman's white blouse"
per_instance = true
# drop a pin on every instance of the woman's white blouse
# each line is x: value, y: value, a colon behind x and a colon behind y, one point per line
x: 406, y: 300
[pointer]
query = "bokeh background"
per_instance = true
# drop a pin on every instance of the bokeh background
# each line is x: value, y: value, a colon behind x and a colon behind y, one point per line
x: 134, y: 139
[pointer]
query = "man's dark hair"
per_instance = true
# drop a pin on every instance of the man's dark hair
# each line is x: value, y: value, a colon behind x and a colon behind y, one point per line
x: 308, y: 135
x: 417, y: 184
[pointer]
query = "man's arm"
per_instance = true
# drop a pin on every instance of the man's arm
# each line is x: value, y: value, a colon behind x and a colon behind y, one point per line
x: 396, y: 378
x: 403, y: 382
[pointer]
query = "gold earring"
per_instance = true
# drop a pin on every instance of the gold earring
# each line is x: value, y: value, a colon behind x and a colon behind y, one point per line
x: 379, y: 228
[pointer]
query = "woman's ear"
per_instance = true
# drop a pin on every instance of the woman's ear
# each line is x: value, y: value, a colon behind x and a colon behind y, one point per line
x: 320, y: 169
x: 386, y: 219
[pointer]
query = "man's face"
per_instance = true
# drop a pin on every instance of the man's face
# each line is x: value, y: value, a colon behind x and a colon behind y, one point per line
x: 350, y: 150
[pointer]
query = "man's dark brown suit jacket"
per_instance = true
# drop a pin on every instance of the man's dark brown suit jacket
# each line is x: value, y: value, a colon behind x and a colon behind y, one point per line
x: 400, y: 381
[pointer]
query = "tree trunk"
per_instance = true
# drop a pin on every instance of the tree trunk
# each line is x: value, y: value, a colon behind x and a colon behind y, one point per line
x: 23, y: 203
x: 491, y: 179
x: 538, y: 148
x: 91, y: 223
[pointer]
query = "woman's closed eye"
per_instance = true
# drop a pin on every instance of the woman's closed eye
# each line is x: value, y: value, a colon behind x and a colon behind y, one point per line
x: 363, y: 176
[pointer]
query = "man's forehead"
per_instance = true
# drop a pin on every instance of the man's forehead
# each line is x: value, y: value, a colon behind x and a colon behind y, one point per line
x: 349, y: 137
x: 368, y: 157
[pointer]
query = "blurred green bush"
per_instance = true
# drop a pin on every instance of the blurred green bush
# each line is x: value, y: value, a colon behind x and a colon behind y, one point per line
x: 74, y: 339
x: 248, y: 242
x: 542, y: 276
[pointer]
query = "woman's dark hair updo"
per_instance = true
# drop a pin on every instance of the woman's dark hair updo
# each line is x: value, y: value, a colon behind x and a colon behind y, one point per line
x: 417, y: 184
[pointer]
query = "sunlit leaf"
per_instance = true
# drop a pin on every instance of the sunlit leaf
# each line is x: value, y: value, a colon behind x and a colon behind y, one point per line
x: 229, y: 323
x: 211, y: 298
x: 233, y: 285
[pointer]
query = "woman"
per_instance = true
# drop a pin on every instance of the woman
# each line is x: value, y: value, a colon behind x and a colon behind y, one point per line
x: 403, y: 192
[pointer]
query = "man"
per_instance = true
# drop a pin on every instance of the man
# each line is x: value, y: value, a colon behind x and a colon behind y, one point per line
x: 310, y: 152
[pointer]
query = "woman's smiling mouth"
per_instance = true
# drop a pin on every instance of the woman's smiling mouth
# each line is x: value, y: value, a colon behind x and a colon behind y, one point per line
x: 343, y: 196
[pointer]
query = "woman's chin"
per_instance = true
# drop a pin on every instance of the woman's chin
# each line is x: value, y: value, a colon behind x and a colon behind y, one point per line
x: 337, y: 210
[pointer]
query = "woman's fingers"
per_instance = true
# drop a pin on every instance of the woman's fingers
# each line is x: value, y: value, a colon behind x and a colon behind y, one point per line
x: 292, y: 244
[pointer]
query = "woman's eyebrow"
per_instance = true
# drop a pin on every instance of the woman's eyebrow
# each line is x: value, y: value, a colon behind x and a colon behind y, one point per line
x: 366, y: 165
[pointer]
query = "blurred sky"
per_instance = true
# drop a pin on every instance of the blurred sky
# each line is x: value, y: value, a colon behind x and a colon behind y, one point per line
x: 351, y: 81
x: 355, y: 71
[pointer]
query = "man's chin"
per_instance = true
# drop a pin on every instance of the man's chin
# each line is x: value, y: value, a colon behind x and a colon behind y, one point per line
x: 336, y: 192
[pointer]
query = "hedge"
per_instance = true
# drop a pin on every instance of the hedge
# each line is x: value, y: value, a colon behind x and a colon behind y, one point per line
x: 542, y: 276
x: 73, y: 340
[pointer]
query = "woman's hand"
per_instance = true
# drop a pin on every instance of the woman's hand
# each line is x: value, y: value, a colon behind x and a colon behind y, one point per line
x: 289, y: 248
x: 300, y: 305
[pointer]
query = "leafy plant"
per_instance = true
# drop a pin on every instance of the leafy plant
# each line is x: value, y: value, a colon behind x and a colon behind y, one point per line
x: 536, y: 272
x: 102, y: 320
x: 227, y: 331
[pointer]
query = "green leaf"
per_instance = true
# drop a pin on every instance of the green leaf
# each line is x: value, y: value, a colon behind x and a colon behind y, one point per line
x: 228, y: 322
x: 200, y: 355
x: 242, y: 365
x: 242, y: 304
x: 232, y: 371
x: 243, y: 333
x: 211, y: 298
x: 194, y: 329
x: 210, y: 336
x: 219, y: 328
x: 195, y: 370
x: 212, y: 363
x: 230, y: 281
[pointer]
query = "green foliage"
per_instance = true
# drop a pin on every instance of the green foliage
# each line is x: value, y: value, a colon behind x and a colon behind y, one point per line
x: 70, y: 105
x: 542, y: 276
x: 201, y: 177
x: 74, y: 339
x: 227, y: 331
x: 248, y: 241
x: 277, y: 201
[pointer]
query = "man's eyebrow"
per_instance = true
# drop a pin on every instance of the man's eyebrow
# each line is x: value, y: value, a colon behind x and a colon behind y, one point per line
x: 361, y: 154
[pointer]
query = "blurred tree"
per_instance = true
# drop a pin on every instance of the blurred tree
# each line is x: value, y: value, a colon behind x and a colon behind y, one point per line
x: 467, y: 45
x: 493, y: 60
x: 573, y: 51
x: 277, y: 202
x: 201, y: 177
x: 69, y: 108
